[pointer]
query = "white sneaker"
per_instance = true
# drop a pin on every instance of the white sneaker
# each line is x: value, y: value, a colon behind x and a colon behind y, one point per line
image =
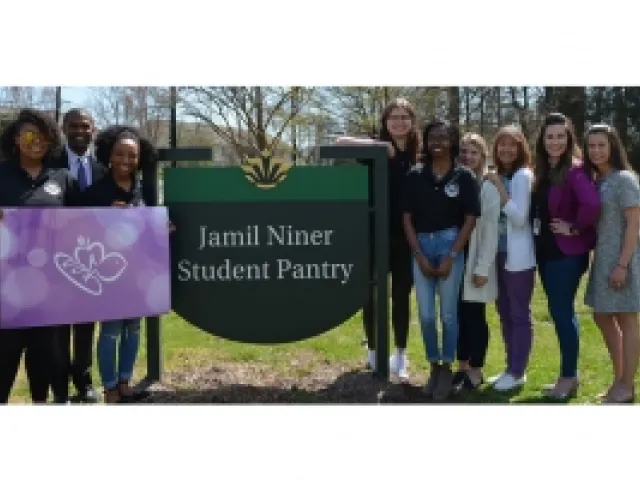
x: 403, y: 373
x: 398, y: 364
x: 371, y: 359
x: 509, y: 382
x: 394, y: 359
x: 495, y: 378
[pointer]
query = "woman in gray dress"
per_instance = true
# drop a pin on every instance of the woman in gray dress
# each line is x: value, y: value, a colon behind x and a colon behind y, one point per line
x: 614, y: 281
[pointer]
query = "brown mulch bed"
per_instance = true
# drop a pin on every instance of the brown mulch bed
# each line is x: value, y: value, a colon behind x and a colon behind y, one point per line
x: 303, y: 381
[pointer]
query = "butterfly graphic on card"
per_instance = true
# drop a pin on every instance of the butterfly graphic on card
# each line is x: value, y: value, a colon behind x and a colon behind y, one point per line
x: 89, y: 267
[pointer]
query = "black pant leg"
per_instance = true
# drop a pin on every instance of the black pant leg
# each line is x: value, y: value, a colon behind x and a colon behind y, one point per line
x: 368, y: 325
x: 12, y: 344
x: 401, y: 283
x: 83, y: 336
x: 368, y: 307
x: 465, y: 332
x: 40, y: 361
x: 62, y: 369
x: 479, y: 338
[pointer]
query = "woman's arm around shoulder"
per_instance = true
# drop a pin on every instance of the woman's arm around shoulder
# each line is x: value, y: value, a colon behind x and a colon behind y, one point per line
x: 517, y: 208
x: 585, y: 192
x: 391, y: 152
x: 471, y: 197
x: 487, y: 234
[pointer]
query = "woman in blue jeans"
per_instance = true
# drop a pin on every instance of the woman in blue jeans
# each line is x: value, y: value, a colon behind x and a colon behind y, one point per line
x: 440, y: 207
x: 125, y: 152
x: 564, y: 213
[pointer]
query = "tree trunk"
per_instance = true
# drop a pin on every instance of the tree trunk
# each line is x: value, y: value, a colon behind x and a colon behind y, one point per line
x: 454, y: 106
x: 598, y: 100
x: 467, y: 107
x: 571, y: 101
x: 482, y: 92
x: 620, y: 114
x: 294, y: 128
x: 498, y: 100
x: 261, y: 139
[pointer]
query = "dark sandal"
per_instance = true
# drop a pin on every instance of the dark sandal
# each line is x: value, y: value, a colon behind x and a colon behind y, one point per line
x: 459, y: 378
x: 468, y: 384
x: 133, y: 397
x: 110, y: 392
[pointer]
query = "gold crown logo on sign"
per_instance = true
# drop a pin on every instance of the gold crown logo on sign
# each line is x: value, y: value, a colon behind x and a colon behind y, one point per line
x: 265, y: 172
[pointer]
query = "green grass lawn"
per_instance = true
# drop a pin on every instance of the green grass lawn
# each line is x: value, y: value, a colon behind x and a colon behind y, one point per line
x: 186, y: 348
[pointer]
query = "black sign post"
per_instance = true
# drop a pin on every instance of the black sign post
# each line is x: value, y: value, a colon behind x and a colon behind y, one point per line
x: 150, y: 194
x: 375, y: 157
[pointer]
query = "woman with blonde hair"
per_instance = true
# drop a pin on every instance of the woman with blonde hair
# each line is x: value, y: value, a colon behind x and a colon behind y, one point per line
x: 516, y: 260
x: 479, y: 283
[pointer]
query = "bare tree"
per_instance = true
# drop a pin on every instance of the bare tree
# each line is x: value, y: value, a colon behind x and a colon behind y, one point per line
x: 520, y: 100
x: 454, y: 105
x: 144, y: 107
x: 43, y: 98
x: 249, y: 119
x: 620, y: 113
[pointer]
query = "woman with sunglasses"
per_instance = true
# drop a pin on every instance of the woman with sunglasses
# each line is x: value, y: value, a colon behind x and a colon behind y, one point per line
x: 27, y: 179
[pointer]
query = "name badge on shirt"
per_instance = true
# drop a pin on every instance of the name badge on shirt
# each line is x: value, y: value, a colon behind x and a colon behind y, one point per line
x: 452, y: 190
x: 52, y: 188
x: 536, y: 226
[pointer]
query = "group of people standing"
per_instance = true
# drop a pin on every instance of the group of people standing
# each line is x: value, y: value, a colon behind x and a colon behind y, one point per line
x: 39, y: 169
x: 470, y: 235
x: 461, y: 233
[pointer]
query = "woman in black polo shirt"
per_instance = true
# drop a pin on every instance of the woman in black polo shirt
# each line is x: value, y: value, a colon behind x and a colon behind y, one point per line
x: 125, y: 152
x: 399, y: 131
x: 441, y: 204
x: 27, y: 146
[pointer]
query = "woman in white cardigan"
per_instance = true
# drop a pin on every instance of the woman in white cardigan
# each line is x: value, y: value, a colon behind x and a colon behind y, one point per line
x: 479, y: 284
x: 516, y: 258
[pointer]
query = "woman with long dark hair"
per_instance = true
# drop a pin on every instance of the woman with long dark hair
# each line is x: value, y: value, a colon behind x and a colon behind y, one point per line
x: 564, y: 212
x: 399, y: 132
x: 614, y: 280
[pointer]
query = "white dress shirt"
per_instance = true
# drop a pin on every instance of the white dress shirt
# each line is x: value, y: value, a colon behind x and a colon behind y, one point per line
x: 75, y: 161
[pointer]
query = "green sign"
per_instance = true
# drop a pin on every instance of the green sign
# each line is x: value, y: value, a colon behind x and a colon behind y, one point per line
x: 267, y: 253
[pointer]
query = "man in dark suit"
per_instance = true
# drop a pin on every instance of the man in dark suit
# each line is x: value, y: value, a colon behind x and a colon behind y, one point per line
x: 78, y: 127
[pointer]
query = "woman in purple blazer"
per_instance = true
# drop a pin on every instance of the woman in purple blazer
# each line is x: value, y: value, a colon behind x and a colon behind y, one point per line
x: 564, y: 213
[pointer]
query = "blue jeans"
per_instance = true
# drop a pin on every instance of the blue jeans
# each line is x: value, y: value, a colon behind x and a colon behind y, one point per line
x: 560, y: 280
x: 435, y: 247
x: 129, y: 333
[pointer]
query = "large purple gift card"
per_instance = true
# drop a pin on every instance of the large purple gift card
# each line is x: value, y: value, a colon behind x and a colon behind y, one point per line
x: 65, y: 265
